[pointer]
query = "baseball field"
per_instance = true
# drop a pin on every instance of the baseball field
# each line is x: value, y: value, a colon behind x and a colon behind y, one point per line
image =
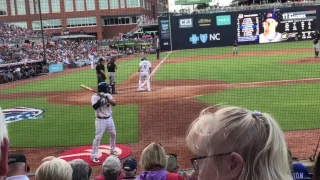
x: 282, y: 79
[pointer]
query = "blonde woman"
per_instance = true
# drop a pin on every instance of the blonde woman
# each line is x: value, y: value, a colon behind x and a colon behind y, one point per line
x: 153, y: 161
x: 232, y: 143
x: 53, y: 169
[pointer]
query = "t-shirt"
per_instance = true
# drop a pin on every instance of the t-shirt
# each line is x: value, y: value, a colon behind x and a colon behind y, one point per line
x: 145, y: 66
x: 111, y: 67
x: 106, y: 109
x: 276, y: 38
x: 99, y: 68
x: 300, y: 172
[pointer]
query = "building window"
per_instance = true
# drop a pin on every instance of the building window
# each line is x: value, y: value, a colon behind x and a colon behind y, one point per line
x: 13, y: 10
x: 21, y: 7
x: 119, y: 21
x: 142, y: 3
x: 114, y: 4
x: 31, y: 6
x: 79, y: 5
x: 103, y: 4
x: 55, y: 6
x: 47, y: 24
x: 3, y: 8
x: 81, y: 22
x: 133, y: 3
x: 44, y: 6
x: 90, y: 5
x: 122, y: 5
x: 145, y: 4
x: 68, y: 5
x: 19, y: 24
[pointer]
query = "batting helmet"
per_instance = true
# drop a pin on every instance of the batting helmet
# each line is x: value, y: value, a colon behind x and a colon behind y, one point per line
x: 104, y: 87
x: 143, y: 58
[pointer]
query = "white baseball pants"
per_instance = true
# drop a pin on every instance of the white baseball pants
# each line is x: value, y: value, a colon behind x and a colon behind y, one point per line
x: 92, y: 67
x: 103, y: 125
x: 144, y: 76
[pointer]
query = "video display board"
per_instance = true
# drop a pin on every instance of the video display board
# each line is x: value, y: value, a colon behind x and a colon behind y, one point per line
x: 287, y: 25
x: 248, y: 27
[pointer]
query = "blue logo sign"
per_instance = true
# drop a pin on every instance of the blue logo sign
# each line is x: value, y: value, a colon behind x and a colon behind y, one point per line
x: 55, y: 68
x: 165, y: 27
x: 22, y: 113
x: 203, y: 38
x: 223, y: 20
x: 194, y: 39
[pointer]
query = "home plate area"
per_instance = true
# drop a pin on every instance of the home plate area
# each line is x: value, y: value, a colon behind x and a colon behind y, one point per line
x: 84, y: 153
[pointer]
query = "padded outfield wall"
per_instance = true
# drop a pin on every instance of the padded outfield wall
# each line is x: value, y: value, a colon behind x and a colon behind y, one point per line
x: 222, y: 29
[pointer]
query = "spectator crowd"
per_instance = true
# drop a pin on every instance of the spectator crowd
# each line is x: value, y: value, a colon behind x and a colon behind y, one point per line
x: 228, y: 143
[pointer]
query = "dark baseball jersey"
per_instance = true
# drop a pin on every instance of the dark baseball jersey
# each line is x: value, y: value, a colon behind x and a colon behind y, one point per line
x: 111, y: 66
x: 99, y: 68
x: 315, y: 37
x: 235, y: 44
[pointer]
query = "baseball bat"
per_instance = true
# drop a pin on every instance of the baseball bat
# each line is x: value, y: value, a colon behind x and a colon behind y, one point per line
x: 87, y: 88
x: 90, y: 89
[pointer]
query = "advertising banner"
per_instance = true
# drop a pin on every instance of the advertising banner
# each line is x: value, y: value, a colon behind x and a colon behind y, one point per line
x: 164, y: 29
x: 190, y: 2
x: 53, y: 68
x: 202, y: 31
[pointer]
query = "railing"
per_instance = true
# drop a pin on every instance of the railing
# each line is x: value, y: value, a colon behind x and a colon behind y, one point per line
x: 243, y: 8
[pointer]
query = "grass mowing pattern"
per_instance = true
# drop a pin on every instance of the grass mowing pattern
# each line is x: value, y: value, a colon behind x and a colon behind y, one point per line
x: 242, y: 49
x: 239, y: 70
x: 295, y: 107
x: 67, y: 125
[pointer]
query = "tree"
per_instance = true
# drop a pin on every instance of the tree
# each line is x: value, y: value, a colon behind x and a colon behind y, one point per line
x: 202, y: 6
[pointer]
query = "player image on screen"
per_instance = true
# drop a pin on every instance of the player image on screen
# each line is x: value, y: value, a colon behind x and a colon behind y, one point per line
x: 270, y: 34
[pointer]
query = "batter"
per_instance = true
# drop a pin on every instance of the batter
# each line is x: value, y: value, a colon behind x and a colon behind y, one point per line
x: 104, y: 121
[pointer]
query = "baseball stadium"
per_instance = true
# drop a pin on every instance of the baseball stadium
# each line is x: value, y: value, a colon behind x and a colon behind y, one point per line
x: 92, y: 97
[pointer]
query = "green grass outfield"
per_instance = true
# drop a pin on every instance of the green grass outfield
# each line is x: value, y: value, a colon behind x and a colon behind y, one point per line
x: 295, y: 107
x: 239, y: 70
x: 242, y: 49
x: 67, y: 125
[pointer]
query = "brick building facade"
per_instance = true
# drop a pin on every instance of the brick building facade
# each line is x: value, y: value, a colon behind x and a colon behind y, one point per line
x: 102, y: 18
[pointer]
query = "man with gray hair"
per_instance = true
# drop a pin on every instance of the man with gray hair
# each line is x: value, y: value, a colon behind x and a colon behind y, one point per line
x: 111, y: 168
x: 18, y: 167
x: 80, y: 169
x: 4, y: 151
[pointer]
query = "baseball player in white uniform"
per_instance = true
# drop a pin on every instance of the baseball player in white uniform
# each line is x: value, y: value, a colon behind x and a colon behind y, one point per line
x: 144, y: 73
x: 102, y: 104
x: 91, y: 57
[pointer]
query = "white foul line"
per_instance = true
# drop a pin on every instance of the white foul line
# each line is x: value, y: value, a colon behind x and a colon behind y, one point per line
x: 248, y: 83
x: 155, y: 69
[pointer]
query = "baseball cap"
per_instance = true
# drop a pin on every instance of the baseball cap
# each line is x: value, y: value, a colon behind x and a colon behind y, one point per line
x: 111, y: 164
x: 130, y: 164
x: 272, y: 16
x: 16, y: 158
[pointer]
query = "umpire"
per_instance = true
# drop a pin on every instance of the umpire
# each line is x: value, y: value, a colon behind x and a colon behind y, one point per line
x: 100, y: 71
x: 112, y: 68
